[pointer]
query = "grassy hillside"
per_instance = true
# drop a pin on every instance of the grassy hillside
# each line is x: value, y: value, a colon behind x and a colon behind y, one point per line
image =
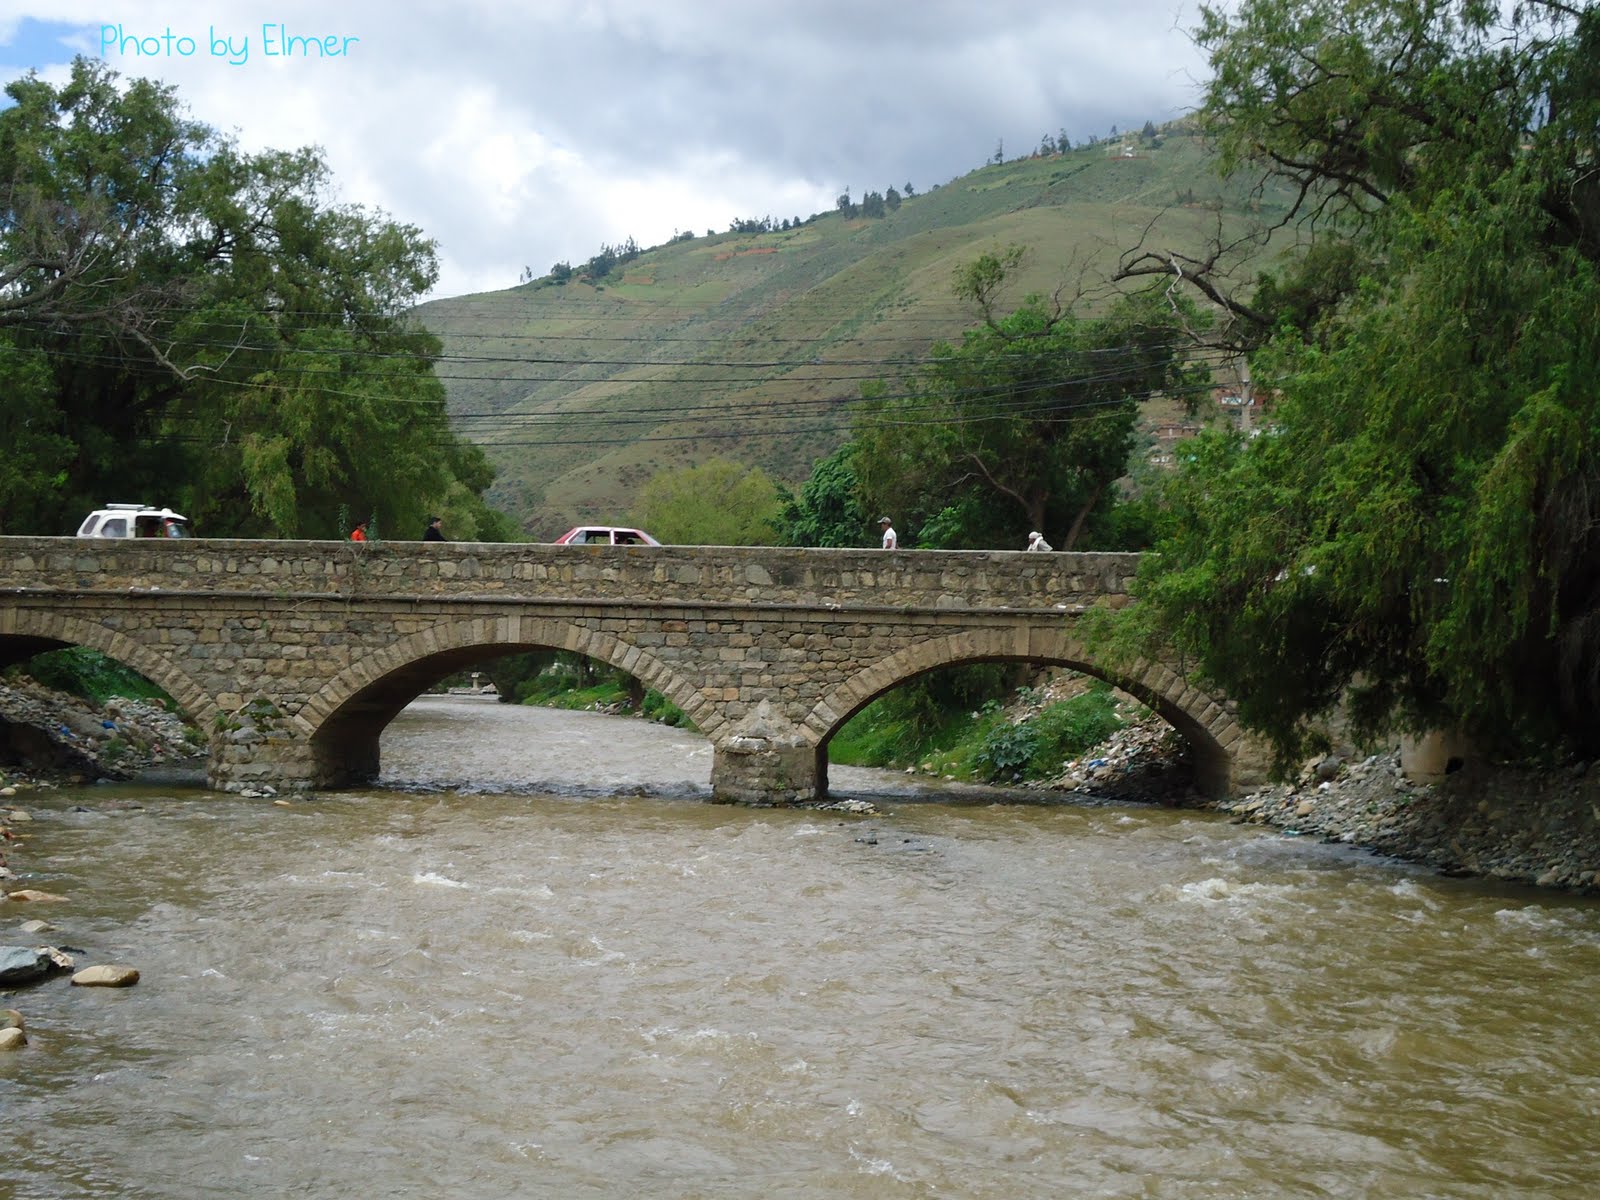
x: 755, y: 347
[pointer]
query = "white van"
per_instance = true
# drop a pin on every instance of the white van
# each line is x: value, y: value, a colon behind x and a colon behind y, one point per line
x: 134, y: 520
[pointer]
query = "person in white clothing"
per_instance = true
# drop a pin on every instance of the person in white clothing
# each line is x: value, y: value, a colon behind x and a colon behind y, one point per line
x: 890, y: 542
x: 1036, y: 541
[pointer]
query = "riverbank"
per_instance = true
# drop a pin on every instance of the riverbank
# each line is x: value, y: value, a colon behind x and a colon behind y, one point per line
x: 1531, y: 826
x: 67, y: 739
x: 1539, y: 827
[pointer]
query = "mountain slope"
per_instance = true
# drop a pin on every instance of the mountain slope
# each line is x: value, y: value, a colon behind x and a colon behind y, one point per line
x: 755, y: 346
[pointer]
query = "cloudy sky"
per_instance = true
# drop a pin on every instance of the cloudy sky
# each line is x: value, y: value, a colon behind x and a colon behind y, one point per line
x: 521, y: 134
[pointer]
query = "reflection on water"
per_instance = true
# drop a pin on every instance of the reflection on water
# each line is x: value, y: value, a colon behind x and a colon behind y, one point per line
x: 387, y: 993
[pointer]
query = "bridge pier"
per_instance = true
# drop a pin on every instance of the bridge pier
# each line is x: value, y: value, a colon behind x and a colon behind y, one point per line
x: 247, y: 759
x: 764, y: 760
x: 256, y: 746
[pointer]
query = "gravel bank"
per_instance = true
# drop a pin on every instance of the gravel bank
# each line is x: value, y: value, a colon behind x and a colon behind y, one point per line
x: 1517, y: 824
x: 1538, y: 827
x: 67, y: 739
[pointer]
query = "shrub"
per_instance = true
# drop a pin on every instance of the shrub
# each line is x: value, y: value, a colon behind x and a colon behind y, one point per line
x: 1007, y: 750
x: 658, y: 708
x: 1075, y: 725
x: 1038, y: 746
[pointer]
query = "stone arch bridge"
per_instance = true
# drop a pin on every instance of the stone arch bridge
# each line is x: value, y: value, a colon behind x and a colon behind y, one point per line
x: 294, y: 656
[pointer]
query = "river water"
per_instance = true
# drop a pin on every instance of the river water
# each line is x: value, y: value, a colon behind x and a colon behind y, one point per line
x: 495, y: 992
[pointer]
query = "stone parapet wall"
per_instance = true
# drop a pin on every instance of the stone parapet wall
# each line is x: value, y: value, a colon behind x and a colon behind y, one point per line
x: 666, y: 574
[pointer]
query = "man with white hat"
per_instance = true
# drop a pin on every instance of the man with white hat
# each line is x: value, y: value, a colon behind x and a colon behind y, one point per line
x: 890, y: 542
x: 1036, y: 541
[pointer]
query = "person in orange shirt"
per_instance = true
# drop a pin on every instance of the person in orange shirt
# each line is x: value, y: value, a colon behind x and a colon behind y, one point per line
x: 359, y: 533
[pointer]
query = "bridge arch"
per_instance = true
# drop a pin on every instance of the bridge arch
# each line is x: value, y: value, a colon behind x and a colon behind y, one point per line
x: 32, y: 631
x: 343, y: 722
x: 1207, y: 724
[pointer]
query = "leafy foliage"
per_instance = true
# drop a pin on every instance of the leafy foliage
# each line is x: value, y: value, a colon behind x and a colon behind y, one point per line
x: 1024, y: 425
x: 922, y: 715
x: 1008, y: 749
x: 719, y: 503
x: 88, y: 673
x: 186, y: 323
x: 1036, y: 747
x: 1420, y: 532
x: 828, y: 510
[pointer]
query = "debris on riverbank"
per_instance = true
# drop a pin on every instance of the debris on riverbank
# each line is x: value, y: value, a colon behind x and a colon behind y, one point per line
x: 1144, y: 762
x: 67, y: 739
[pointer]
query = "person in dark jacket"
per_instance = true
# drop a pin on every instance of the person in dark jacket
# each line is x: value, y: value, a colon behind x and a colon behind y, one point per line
x: 433, y: 533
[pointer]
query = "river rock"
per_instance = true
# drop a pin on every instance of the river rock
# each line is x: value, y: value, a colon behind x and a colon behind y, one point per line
x: 106, y: 975
x: 10, y: 1018
x: 34, y: 926
x: 860, y: 807
x: 33, y: 896
x: 23, y: 964
x: 12, y: 1039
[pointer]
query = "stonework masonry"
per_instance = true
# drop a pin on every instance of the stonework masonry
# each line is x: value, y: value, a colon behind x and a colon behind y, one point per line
x: 295, y: 655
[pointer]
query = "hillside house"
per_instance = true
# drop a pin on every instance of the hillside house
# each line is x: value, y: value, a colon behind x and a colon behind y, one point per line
x: 1167, y: 435
x: 1244, y: 405
x: 1174, y: 431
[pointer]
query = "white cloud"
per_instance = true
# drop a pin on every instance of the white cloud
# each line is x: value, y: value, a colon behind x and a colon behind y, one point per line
x: 525, y: 133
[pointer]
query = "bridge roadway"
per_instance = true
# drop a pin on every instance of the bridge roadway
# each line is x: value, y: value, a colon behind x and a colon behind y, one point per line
x: 293, y: 656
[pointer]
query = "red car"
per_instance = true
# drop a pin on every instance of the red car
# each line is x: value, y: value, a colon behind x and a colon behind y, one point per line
x: 605, y: 535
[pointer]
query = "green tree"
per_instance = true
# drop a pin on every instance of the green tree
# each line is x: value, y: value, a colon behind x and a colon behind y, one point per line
x: 38, y: 451
x: 719, y: 503
x: 1025, y: 424
x: 210, y: 333
x: 1420, y: 531
x: 828, y: 510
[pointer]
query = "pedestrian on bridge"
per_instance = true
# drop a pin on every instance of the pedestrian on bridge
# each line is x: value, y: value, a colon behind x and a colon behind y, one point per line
x: 359, y: 533
x: 1036, y: 541
x: 433, y: 533
x: 890, y: 542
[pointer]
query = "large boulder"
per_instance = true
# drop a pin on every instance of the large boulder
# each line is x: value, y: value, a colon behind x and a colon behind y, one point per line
x: 23, y: 964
